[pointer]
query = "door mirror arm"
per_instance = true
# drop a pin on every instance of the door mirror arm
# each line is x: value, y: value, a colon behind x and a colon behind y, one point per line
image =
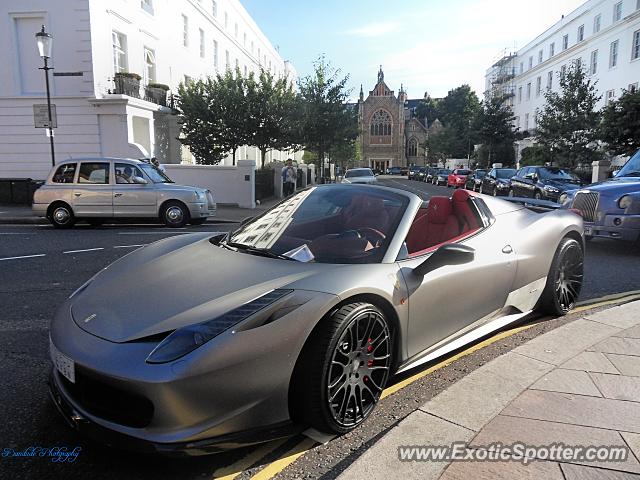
x: 448, y: 254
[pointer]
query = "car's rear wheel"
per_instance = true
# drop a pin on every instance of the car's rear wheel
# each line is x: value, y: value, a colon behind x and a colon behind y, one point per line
x: 343, y: 369
x: 564, y: 281
x: 174, y: 214
x: 61, y: 215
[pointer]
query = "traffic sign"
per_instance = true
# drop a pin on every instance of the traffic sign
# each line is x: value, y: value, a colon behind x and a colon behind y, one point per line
x: 41, y: 116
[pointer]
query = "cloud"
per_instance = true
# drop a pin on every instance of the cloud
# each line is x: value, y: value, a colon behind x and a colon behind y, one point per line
x: 375, y: 29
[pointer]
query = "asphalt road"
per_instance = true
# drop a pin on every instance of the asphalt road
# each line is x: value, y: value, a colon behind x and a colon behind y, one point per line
x: 55, y: 262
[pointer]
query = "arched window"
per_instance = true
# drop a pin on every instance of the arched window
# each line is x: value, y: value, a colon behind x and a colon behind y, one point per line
x: 412, y: 148
x: 381, y: 123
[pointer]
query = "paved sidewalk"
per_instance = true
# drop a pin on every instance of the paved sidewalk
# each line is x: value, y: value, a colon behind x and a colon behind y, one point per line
x: 22, y: 215
x: 577, y: 385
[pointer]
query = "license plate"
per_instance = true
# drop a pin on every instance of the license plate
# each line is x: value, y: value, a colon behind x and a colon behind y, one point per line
x: 63, y: 364
x: 588, y: 231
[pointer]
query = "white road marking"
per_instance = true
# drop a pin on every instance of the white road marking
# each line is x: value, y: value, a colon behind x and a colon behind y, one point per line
x: 129, y: 246
x: 15, y: 233
x: 153, y: 233
x: 23, y: 256
x: 85, y: 250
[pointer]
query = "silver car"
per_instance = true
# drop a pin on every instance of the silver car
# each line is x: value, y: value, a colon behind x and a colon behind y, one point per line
x: 300, y: 316
x: 97, y: 189
x: 360, y: 175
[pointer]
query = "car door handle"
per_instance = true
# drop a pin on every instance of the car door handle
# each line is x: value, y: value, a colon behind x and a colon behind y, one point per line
x: 117, y: 194
x: 507, y: 249
x: 77, y: 194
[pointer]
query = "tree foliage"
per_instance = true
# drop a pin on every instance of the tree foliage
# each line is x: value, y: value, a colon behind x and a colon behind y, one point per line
x: 534, y: 155
x: 567, y: 125
x: 494, y: 129
x: 458, y: 111
x: 620, y: 127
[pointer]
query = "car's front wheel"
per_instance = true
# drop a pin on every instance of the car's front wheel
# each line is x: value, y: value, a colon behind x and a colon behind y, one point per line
x: 61, y: 215
x: 174, y: 214
x: 343, y: 369
x: 564, y: 281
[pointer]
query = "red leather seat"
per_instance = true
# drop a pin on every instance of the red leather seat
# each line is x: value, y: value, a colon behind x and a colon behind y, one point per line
x: 463, y: 211
x: 437, y: 226
x: 366, y: 211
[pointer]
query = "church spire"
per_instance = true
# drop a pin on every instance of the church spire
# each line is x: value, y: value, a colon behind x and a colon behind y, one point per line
x: 380, y: 75
x: 361, y: 93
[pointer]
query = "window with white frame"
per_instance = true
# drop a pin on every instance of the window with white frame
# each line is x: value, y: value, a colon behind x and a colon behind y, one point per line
x: 227, y: 60
x: 552, y: 49
x: 637, y: 4
x: 149, y: 65
x: 187, y: 79
x: 237, y: 64
x: 609, y: 96
x: 526, y: 121
x: 245, y: 71
x: 244, y: 40
x: 617, y: 12
x: 147, y: 6
x: 613, y: 53
x: 593, y: 66
x: 226, y: 20
x: 258, y: 55
x: 529, y: 91
x: 580, y: 33
x: 538, y: 86
x: 521, y: 67
x: 215, y: 54
x: 119, y: 44
x: 635, y: 48
x: 540, y: 53
x: 202, y: 48
x: 565, y: 42
x: 185, y: 31
x: 550, y: 80
x: 519, y: 94
x: 235, y: 30
x: 563, y: 71
x: 633, y: 87
x: 251, y: 47
x: 597, y: 22
x: 214, y: 8
x: 530, y: 62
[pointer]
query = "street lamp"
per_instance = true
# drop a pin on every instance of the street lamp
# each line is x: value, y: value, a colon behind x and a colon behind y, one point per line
x: 45, y: 41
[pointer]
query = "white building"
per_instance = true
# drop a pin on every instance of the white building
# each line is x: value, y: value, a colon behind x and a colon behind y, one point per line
x: 163, y: 41
x: 603, y: 34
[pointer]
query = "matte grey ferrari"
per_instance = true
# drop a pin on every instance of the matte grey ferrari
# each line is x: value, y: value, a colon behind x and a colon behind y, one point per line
x: 200, y: 343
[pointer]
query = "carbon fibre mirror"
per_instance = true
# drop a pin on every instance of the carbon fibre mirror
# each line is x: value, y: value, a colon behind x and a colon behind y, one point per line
x: 448, y: 254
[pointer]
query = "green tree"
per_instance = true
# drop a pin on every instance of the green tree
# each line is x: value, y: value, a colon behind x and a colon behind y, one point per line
x: 202, y: 127
x: 567, y: 125
x: 620, y: 127
x: 428, y: 108
x: 437, y: 146
x: 494, y: 127
x: 326, y: 121
x: 458, y: 111
x: 534, y: 155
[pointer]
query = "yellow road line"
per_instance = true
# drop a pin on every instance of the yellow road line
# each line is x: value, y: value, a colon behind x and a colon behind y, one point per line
x: 236, y: 468
x: 291, y: 456
x: 613, y: 301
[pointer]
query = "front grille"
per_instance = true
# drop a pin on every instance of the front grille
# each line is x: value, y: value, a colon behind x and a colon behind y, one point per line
x: 108, y: 402
x: 586, y: 202
x: 211, y: 205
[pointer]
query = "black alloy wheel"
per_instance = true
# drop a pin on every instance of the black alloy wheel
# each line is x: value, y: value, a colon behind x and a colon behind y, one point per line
x: 564, y: 281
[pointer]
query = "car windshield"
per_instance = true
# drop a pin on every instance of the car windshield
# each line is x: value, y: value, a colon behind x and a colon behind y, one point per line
x: 550, y: 173
x: 365, y: 172
x: 462, y: 172
x: 480, y: 173
x: 631, y: 168
x: 155, y: 174
x: 444, y: 172
x: 505, y: 173
x: 326, y: 224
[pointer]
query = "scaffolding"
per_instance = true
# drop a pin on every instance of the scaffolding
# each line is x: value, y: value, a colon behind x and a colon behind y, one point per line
x: 500, y: 78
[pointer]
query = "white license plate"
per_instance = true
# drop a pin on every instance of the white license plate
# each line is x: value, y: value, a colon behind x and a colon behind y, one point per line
x: 63, y: 364
x: 588, y: 231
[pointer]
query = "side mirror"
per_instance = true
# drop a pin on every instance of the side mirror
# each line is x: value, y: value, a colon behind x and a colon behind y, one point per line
x: 448, y: 254
x: 246, y: 220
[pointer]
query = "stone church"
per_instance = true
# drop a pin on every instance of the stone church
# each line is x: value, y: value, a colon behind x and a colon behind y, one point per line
x: 391, y: 135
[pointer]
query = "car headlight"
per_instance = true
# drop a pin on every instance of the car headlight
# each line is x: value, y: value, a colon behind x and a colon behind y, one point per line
x: 186, y: 339
x: 198, y: 195
x: 550, y: 189
x: 562, y: 198
x: 503, y: 185
x: 625, y: 202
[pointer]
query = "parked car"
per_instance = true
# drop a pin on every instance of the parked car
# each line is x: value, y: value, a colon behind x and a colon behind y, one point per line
x: 458, y: 177
x: 404, y: 170
x: 421, y: 174
x: 440, y: 176
x: 305, y: 327
x: 430, y: 172
x: 611, y: 209
x: 359, y: 175
x: 497, y: 181
x: 98, y: 189
x: 412, y: 171
x: 474, y: 180
x: 394, y: 171
x: 542, y: 183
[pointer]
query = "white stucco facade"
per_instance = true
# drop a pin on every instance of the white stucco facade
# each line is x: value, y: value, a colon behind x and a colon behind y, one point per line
x: 603, y: 34
x: 163, y: 41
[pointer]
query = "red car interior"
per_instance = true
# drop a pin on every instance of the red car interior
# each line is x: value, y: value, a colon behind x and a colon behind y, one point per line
x: 444, y: 220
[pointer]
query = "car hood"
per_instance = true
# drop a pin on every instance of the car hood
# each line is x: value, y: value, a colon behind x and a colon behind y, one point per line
x: 562, y: 184
x: 616, y: 186
x: 177, y: 282
x: 181, y: 188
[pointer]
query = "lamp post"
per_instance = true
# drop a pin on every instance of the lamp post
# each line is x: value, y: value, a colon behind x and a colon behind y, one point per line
x: 45, y: 41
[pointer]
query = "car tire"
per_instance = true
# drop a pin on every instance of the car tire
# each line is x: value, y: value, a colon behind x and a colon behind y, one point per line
x: 564, y: 281
x: 197, y: 221
x: 511, y: 192
x: 61, y: 215
x: 537, y: 195
x: 337, y: 382
x: 174, y: 214
x: 495, y: 192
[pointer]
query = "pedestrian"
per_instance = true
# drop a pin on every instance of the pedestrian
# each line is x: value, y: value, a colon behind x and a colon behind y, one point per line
x: 288, y: 178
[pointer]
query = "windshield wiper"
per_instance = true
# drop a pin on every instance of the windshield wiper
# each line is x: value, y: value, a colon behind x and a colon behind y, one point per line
x: 265, y: 252
x: 630, y: 174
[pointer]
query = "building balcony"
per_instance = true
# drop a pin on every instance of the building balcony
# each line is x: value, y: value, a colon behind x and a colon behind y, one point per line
x: 129, y: 84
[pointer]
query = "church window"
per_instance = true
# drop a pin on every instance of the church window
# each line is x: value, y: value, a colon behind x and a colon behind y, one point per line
x: 381, y: 123
x: 412, y: 148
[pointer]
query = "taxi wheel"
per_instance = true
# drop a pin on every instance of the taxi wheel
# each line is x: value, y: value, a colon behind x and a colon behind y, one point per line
x: 174, y: 214
x: 61, y: 215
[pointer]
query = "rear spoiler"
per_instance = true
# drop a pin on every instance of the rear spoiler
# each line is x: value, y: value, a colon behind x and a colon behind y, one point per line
x: 538, y: 205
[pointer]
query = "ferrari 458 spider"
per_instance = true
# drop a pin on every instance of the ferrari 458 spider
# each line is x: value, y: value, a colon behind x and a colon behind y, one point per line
x: 198, y: 343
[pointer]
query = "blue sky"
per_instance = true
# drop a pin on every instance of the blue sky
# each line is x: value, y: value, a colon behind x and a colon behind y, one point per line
x: 428, y: 45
